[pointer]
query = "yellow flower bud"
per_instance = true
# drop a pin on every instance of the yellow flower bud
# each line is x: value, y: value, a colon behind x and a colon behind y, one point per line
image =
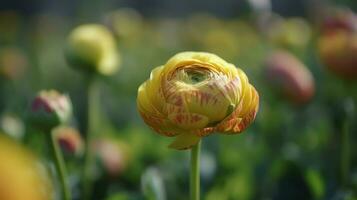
x: 290, y: 33
x: 92, y: 47
x: 21, y: 175
x: 195, y: 94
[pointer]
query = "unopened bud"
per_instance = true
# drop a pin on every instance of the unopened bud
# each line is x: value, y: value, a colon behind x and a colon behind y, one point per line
x: 50, y: 109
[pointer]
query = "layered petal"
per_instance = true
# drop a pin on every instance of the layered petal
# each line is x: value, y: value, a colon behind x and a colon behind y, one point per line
x: 195, y: 94
x: 243, y: 115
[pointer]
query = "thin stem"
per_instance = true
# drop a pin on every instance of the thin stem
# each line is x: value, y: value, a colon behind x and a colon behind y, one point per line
x: 345, y: 153
x: 195, y: 172
x: 60, y: 166
x: 91, y: 124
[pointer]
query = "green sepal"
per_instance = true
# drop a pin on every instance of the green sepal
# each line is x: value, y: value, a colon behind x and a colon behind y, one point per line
x: 185, y: 141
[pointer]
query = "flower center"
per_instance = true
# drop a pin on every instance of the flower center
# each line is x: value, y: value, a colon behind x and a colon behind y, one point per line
x: 193, y: 75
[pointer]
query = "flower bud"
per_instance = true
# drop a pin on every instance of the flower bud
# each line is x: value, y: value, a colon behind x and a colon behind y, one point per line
x: 22, y: 175
x: 337, y: 44
x: 13, y: 63
x: 50, y: 109
x: 290, y: 76
x: 339, y: 20
x: 126, y: 23
x: 112, y: 156
x: 290, y: 33
x: 69, y: 139
x: 92, y: 48
x: 195, y: 94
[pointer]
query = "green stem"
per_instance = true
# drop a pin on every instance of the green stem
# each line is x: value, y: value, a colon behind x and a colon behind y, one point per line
x: 91, y: 124
x: 345, y: 153
x: 60, y: 166
x: 195, y: 172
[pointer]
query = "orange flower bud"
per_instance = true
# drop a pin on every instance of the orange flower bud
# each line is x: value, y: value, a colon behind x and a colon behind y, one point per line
x: 337, y: 44
x: 69, y: 139
x: 13, y: 63
x: 290, y: 76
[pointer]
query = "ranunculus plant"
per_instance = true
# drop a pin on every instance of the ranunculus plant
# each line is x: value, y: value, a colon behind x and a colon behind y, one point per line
x: 194, y: 95
x: 48, y: 110
x: 337, y: 47
x: 91, y: 48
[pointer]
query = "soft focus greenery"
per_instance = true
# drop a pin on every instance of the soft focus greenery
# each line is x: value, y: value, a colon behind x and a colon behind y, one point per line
x: 290, y: 152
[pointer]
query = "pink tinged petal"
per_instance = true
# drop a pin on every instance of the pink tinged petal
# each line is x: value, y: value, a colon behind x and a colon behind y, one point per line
x: 204, y: 132
x: 188, y: 121
x: 40, y: 103
x: 230, y: 126
x: 237, y: 125
x: 170, y: 90
x: 67, y: 145
x: 242, y: 117
x: 205, y: 101
x: 62, y: 106
x: 234, y: 89
x: 172, y: 108
x: 185, y: 141
x: 61, y: 103
x: 160, y: 125
x: 179, y: 109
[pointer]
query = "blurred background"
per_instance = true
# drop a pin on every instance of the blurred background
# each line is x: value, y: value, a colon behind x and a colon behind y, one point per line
x: 300, y: 55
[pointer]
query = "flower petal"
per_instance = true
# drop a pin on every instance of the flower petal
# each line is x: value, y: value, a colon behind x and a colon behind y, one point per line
x: 144, y: 102
x: 201, y: 58
x: 154, y: 84
x: 243, y: 116
x: 188, y: 121
x: 185, y: 141
x: 161, y: 125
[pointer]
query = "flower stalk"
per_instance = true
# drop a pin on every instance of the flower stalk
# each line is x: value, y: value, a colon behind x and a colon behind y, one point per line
x: 57, y: 158
x: 91, y: 124
x: 195, y: 172
x: 345, y: 153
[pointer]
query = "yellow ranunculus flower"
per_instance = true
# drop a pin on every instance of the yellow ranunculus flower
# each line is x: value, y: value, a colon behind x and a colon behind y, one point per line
x: 195, y: 94
x: 92, y: 47
x: 21, y: 175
